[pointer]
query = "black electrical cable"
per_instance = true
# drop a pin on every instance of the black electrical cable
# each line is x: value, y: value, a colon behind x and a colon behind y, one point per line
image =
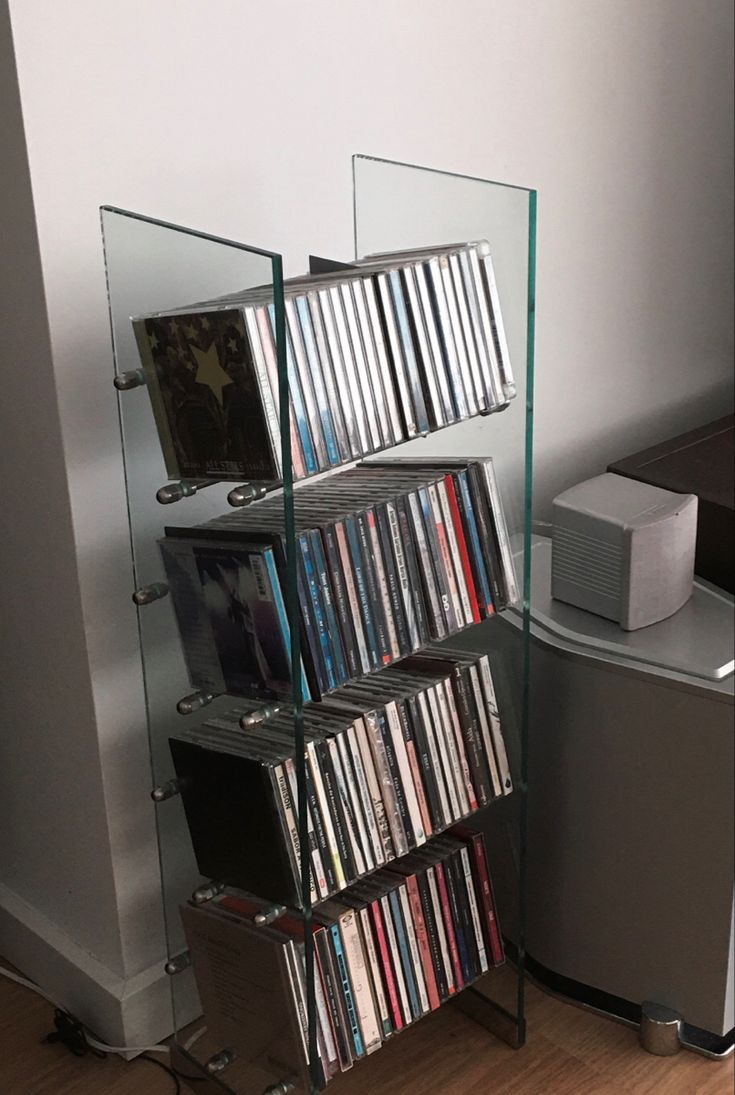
x: 190, y: 1079
x: 160, y: 1064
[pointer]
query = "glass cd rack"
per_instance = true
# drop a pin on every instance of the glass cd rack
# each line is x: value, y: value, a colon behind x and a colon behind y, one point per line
x: 319, y: 897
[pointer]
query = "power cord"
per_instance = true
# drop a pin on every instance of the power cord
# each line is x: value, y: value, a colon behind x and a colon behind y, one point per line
x: 91, y: 1042
x: 71, y: 1033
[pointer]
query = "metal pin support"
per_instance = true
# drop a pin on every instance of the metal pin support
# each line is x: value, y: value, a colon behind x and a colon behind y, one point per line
x: 206, y: 893
x: 125, y: 382
x: 244, y: 495
x: 178, y: 963
x: 283, y: 1087
x: 254, y: 718
x: 189, y: 704
x: 267, y: 917
x: 167, y: 790
x: 660, y: 1029
x: 146, y: 595
x: 220, y: 1061
x: 174, y: 492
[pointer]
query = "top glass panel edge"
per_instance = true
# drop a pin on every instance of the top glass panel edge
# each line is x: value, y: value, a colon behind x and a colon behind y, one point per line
x: 251, y: 248
x: 440, y: 171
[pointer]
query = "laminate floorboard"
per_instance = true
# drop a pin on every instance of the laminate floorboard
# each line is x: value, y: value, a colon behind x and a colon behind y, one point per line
x: 569, y: 1052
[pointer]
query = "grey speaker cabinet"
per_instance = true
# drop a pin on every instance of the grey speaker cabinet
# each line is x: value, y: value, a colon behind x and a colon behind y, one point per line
x: 630, y: 840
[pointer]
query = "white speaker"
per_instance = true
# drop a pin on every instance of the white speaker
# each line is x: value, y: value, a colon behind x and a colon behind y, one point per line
x: 623, y: 549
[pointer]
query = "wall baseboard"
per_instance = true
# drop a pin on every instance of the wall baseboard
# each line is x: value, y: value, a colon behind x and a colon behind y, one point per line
x: 134, y: 1011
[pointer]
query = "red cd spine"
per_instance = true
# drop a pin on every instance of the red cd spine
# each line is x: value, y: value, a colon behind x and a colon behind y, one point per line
x: 462, y: 545
x: 390, y: 984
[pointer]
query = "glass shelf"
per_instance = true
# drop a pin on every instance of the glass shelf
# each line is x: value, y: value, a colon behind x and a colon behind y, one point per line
x: 157, y: 267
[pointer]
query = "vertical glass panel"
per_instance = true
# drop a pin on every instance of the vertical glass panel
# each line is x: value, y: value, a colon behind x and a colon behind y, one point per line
x: 180, y: 324
x: 401, y: 206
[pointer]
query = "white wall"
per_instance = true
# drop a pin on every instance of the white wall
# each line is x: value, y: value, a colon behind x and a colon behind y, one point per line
x: 44, y: 667
x: 241, y: 117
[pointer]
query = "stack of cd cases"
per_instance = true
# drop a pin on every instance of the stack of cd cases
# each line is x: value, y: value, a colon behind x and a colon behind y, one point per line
x: 387, y: 952
x: 390, y: 762
x: 391, y: 556
x: 390, y: 348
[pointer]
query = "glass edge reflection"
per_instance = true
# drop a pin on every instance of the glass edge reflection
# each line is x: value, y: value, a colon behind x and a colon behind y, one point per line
x: 166, y: 912
x: 527, y: 577
x: 250, y: 248
x: 438, y: 171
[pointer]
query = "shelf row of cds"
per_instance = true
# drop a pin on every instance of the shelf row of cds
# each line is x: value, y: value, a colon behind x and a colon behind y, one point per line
x: 388, y: 952
x: 390, y: 762
x: 391, y: 556
x: 390, y: 348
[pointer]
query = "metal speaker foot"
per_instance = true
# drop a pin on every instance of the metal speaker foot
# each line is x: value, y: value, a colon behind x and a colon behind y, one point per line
x: 660, y: 1029
x: 283, y: 1087
x: 220, y: 1061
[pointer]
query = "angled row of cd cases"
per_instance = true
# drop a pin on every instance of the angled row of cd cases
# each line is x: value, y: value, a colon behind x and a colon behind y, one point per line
x: 389, y: 556
x: 391, y: 761
x: 392, y: 950
x: 387, y: 349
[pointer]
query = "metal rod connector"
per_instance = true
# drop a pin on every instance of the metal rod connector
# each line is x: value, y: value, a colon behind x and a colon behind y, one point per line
x: 255, y: 718
x: 146, y: 595
x: 167, y: 790
x: 125, y: 382
x: 205, y: 893
x: 174, y: 492
x: 269, y: 915
x: 187, y: 705
x: 244, y: 495
x: 178, y: 963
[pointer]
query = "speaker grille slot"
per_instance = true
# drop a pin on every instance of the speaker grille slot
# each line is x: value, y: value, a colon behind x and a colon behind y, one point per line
x: 592, y: 564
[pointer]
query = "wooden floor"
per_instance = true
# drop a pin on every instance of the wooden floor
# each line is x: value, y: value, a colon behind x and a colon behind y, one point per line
x: 569, y: 1052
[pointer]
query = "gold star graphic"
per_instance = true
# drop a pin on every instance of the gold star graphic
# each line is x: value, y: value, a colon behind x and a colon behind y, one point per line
x: 210, y: 372
x: 205, y: 323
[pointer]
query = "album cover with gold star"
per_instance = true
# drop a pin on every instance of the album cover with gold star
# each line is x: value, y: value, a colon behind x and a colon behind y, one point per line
x: 206, y: 396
